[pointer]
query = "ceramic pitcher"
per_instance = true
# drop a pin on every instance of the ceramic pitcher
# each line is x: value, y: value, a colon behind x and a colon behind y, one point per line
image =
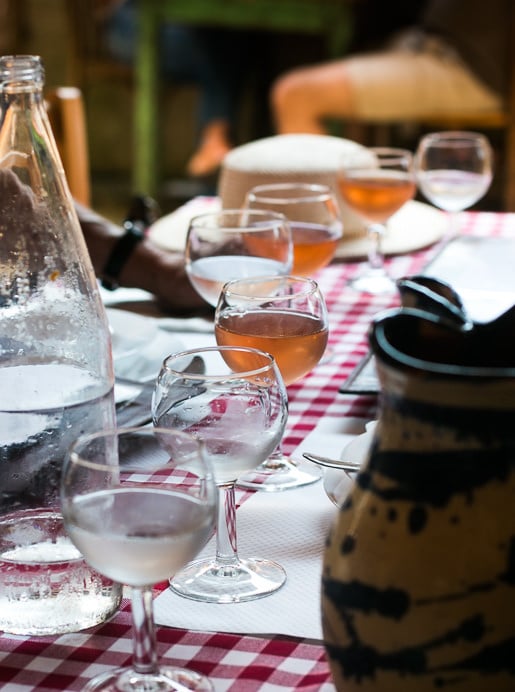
x: 418, y: 587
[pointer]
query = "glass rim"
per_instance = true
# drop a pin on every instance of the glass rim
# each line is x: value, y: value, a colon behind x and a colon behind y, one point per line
x: 454, y: 136
x: 21, y: 68
x: 288, y: 279
x: 265, y: 215
x: 75, y: 457
x: 228, y: 375
x: 368, y: 157
x: 395, y: 151
x: 313, y: 192
x: 389, y: 154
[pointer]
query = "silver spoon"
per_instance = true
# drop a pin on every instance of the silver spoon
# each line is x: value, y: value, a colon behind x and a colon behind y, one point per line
x: 332, y: 463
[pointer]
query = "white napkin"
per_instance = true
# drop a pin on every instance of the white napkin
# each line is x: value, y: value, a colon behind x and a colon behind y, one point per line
x: 480, y: 270
x: 145, y: 364
x: 289, y: 527
x: 331, y: 435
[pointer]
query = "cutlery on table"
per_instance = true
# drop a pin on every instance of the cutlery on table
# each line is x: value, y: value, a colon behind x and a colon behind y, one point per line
x: 332, y: 463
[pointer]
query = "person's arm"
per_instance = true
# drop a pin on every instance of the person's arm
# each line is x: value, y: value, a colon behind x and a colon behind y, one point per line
x: 148, y: 267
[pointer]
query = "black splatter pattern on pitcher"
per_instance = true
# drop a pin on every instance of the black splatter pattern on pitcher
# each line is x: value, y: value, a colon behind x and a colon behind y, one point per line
x: 403, y: 486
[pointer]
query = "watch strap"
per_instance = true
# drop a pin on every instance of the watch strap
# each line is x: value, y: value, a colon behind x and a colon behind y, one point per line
x: 122, y: 250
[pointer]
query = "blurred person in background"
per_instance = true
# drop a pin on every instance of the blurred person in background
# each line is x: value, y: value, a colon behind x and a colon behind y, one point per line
x: 409, y: 58
x: 218, y: 60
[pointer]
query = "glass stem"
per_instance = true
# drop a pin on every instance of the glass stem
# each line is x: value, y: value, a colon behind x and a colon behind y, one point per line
x: 276, y: 460
x: 454, y: 223
x: 226, y: 543
x: 375, y: 254
x: 143, y: 631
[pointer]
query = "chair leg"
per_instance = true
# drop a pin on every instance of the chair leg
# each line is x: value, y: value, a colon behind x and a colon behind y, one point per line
x: 509, y: 170
x: 67, y: 115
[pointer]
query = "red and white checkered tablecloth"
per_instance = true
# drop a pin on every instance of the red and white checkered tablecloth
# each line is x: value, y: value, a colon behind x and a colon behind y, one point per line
x: 235, y: 662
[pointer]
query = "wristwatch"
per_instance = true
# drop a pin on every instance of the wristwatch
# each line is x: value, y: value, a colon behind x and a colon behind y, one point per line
x: 122, y: 250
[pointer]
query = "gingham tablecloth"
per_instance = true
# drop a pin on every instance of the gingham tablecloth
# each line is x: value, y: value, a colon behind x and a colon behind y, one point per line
x: 234, y: 662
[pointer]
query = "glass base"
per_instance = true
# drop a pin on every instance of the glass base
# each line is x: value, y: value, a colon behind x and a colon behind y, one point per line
x: 209, y: 581
x: 166, y: 679
x: 374, y: 281
x: 279, y: 473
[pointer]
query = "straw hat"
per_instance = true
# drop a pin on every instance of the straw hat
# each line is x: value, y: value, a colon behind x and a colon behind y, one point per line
x: 307, y: 159
x: 286, y: 158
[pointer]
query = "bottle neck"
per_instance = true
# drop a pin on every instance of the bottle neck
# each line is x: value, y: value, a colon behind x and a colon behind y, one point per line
x: 21, y: 73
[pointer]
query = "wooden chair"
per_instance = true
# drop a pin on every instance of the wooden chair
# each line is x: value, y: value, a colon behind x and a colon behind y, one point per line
x: 14, y: 26
x: 88, y: 60
x: 67, y: 117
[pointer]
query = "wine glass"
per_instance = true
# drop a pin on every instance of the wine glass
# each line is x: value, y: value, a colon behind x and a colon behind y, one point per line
x: 287, y: 317
x: 376, y: 182
x: 238, y: 406
x: 314, y: 217
x: 138, y: 503
x: 453, y: 170
x: 235, y: 243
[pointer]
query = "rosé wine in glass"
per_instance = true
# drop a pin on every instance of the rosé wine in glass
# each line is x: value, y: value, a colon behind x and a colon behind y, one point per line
x: 375, y: 183
x: 314, y: 218
x: 377, y: 195
x: 287, y: 317
x: 296, y: 340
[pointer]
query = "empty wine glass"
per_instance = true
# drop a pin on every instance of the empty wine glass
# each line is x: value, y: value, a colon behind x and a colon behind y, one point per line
x: 287, y: 317
x: 238, y: 406
x: 235, y: 243
x: 138, y: 503
x: 376, y: 182
x: 314, y: 217
x: 454, y: 170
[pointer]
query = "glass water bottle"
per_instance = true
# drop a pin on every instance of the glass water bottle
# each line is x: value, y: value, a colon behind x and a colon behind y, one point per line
x: 56, y: 370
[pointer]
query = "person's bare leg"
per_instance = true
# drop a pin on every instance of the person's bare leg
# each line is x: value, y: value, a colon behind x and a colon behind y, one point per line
x: 213, y: 146
x: 302, y: 98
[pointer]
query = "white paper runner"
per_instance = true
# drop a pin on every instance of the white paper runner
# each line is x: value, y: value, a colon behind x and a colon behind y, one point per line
x: 288, y: 527
x: 480, y: 270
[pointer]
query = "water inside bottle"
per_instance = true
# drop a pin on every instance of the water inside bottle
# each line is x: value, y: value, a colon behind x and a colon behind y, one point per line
x: 45, y: 585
